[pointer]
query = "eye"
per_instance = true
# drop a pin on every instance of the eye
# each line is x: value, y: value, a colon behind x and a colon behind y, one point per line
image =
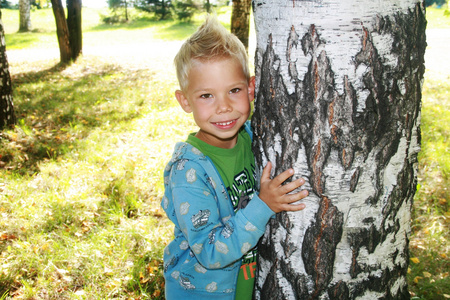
x: 235, y: 90
x: 206, y: 96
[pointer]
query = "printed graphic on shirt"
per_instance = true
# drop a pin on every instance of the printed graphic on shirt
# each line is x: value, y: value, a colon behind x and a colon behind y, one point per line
x: 248, y: 267
x: 221, y: 247
x: 212, y: 287
x: 186, y: 283
x: 242, y: 187
x: 191, y: 175
x: 227, y: 231
x: 200, y: 218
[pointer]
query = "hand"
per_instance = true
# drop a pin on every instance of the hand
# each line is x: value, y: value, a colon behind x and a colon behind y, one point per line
x: 276, y: 195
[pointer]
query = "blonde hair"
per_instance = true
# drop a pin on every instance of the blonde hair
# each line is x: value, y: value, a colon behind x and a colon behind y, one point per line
x: 212, y: 41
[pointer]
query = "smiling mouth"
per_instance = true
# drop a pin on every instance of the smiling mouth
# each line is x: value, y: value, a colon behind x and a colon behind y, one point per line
x: 225, y: 124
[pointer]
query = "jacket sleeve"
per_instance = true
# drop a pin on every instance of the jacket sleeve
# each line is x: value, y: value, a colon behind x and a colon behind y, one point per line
x: 216, y: 235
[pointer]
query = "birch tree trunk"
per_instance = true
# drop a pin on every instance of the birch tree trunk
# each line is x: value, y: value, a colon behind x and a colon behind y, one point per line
x: 338, y: 99
x: 7, y: 116
x: 24, y: 15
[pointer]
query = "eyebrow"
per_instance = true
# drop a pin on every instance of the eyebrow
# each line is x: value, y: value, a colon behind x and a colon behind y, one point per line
x: 207, y: 90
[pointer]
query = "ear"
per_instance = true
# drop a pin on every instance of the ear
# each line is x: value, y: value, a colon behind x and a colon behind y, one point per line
x: 184, y: 103
x: 251, y: 88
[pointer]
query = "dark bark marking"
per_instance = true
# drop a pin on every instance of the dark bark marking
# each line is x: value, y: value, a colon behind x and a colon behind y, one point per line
x: 319, y: 245
x: 339, y: 291
x: 354, y: 179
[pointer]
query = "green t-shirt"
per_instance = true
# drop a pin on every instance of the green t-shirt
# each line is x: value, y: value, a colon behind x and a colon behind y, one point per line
x: 236, y: 166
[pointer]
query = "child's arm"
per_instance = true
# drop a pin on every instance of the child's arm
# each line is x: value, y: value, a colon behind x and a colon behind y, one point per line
x: 217, y: 238
x: 278, y: 196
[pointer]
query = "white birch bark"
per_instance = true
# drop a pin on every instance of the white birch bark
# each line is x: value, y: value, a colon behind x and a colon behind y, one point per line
x: 24, y: 15
x: 338, y: 98
x: 7, y: 116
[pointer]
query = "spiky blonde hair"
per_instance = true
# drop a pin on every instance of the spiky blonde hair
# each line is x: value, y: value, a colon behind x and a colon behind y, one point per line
x: 211, y: 41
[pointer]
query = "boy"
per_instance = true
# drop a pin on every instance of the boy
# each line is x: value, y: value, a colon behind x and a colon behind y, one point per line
x: 210, y: 181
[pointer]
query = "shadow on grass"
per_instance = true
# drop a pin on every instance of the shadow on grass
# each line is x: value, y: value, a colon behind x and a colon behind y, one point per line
x: 58, y: 107
x: 177, y: 31
x: 21, y: 40
x: 135, y: 23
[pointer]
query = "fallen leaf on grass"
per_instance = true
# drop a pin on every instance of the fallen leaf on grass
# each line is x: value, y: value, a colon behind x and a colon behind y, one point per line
x: 417, y: 278
x: 152, y: 269
x: 426, y: 274
x: 142, y: 279
x: 5, y: 237
x: 415, y: 260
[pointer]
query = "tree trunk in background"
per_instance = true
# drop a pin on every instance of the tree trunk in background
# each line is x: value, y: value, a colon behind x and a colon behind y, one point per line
x: 24, y: 15
x: 62, y: 31
x: 208, y: 6
x: 240, y: 20
x: 338, y: 98
x: 75, y: 27
x: 7, y: 117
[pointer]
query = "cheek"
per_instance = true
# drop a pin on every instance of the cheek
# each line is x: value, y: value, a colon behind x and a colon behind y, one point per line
x: 245, y: 106
x: 202, y: 113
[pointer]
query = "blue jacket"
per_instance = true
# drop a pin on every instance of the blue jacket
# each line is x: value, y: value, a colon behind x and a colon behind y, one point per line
x: 203, y: 260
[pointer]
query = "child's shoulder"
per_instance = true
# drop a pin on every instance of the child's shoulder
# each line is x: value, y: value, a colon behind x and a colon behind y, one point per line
x: 184, y: 153
x: 184, y: 150
x: 189, y: 166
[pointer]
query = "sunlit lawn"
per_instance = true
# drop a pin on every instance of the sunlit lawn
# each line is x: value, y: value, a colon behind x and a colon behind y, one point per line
x: 80, y: 181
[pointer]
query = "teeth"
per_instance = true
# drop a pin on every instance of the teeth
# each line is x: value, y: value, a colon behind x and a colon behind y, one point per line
x: 225, y: 123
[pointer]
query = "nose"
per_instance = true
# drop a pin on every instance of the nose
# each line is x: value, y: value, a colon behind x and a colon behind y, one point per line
x: 224, y: 105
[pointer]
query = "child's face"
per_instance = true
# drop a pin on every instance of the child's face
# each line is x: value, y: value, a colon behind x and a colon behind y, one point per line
x: 219, y: 96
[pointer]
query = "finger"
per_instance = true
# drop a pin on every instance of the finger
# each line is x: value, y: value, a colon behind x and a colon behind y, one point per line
x: 294, y: 207
x: 266, y: 172
x: 291, y: 198
x: 291, y: 186
x: 283, y: 176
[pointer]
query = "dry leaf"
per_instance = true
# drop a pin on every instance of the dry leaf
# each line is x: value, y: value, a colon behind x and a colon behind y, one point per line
x: 157, y: 293
x: 415, y: 260
x: 5, y: 236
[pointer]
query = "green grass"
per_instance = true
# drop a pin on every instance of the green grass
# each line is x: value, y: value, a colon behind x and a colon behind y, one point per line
x: 439, y: 18
x: 429, y: 270
x: 81, y: 188
x: 80, y: 175
x: 428, y: 276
